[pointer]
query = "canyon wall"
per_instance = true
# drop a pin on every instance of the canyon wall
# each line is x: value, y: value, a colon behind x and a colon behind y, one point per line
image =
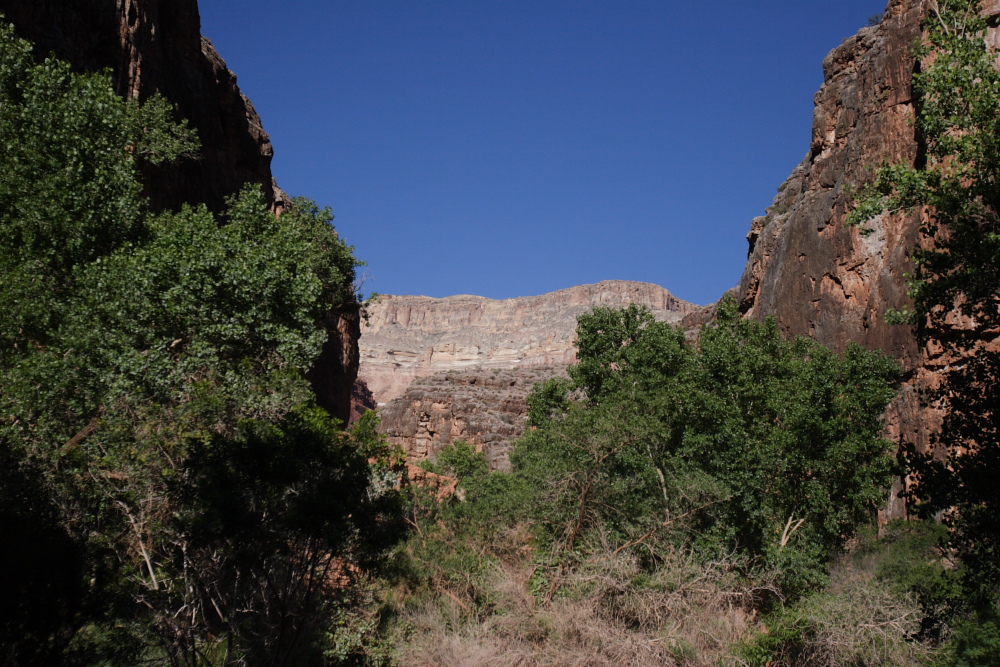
x: 488, y: 408
x: 462, y: 367
x: 407, y: 337
x: 823, y: 279
x: 819, y: 277
x: 156, y: 46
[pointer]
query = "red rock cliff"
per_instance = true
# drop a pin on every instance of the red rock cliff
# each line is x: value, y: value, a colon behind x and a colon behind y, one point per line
x: 821, y: 278
x: 818, y: 276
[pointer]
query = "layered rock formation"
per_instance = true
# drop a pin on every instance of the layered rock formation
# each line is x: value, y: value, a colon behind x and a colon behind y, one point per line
x: 462, y: 367
x: 415, y: 336
x: 487, y: 408
x: 155, y: 46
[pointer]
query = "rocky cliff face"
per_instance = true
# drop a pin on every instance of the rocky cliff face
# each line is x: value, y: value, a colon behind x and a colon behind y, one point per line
x: 155, y: 46
x: 487, y: 408
x: 461, y: 368
x: 821, y: 278
x: 415, y: 336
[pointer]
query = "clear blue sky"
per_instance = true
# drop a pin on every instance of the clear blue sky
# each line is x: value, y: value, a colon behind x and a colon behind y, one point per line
x: 515, y: 147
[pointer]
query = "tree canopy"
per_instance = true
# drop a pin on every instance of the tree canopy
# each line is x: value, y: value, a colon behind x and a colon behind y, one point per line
x: 161, y: 450
x: 755, y: 443
x: 744, y: 445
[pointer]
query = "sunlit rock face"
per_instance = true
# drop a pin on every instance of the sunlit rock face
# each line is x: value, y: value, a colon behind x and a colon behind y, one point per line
x: 487, y: 408
x: 461, y: 368
x: 819, y: 277
x: 416, y: 336
x: 825, y: 280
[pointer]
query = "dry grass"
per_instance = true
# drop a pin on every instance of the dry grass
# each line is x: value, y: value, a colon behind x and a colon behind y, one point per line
x: 609, y: 614
x: 859, y: 621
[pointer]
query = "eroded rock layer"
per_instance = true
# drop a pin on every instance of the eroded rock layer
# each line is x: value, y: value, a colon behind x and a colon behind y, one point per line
x: 407, y: 337
x: 461, y: 368
x: 487, y: 408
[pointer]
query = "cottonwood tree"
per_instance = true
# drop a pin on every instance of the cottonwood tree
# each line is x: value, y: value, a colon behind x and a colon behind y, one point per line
x: 745, y: 443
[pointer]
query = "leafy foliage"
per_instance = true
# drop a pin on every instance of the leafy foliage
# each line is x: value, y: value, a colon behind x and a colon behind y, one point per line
x: 748, y: 442
x: 955, y: 289
x: 158, y: 427
x: 662, y: 501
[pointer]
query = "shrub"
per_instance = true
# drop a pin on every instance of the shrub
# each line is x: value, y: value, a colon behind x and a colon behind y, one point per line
x: 860, y: 622
x: 747, y: 443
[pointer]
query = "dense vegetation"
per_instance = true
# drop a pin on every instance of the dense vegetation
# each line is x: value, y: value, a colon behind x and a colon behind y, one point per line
x: 955, y: 288
x: 666, y: 500
x: 171, y: 494
x: 748, y: 444
x: 169, y: 491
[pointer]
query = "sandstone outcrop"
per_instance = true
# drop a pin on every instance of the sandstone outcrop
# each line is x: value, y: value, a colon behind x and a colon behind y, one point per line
x: 407, y: 337
x: 831, y: 282
x: 461, y: 368
x: 488, y: 408
x: 817, y: 276
x: 155, y: 46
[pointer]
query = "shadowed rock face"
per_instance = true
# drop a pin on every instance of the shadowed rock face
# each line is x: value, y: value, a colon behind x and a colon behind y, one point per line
x: 155, y: 46
x: 416, y: 336
x: 487, y: 408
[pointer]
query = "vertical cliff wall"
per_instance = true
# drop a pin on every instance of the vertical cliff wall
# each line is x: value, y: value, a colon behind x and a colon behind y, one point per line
x: 823, y: 279
x: 488, y: 408
x: 461, y: 368
x: 817, y: 276
x: 155, y: 46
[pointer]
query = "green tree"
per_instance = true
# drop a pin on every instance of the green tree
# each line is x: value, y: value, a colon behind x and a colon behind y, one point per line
x: 158, y: 425
x: 624, y: 351
x: 955, y: 288
x: 747, y: 442
x: 794, y: 431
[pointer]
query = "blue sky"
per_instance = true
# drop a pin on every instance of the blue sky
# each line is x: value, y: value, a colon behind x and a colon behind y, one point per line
x: 515, y: 147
